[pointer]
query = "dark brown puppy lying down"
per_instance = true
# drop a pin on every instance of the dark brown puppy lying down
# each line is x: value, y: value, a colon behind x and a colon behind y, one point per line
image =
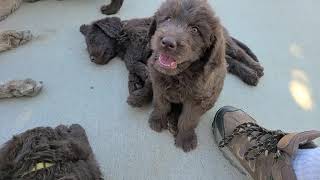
x: 44, y: 153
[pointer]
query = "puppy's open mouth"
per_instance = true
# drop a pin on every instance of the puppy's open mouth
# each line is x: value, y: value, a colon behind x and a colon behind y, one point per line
x: 166, y: 61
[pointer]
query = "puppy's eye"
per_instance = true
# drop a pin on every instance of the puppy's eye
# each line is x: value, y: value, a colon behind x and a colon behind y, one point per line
x: 194, y: 29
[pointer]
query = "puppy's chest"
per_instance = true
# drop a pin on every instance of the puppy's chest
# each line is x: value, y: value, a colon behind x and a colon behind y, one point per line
x: 177, y: 89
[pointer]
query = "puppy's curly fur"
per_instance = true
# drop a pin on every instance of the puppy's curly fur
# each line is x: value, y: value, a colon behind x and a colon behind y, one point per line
x: 187, y: 66
x: 129, y: 40
x: 66, y: 148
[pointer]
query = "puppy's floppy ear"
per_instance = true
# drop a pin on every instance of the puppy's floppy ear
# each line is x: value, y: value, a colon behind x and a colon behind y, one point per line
x: 153, y: 27
x: 84, y: 29
x: 8, y: 154
x: 10, y: 149
x: 217, y: 49
x: 111, y: 26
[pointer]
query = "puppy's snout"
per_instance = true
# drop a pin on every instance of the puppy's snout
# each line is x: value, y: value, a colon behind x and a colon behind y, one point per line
x: 169, y: 43
x: 92, y: 58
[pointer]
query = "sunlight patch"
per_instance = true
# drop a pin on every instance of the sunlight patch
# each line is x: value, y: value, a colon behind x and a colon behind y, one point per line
x: 296, y: 51
x: 300, y: 91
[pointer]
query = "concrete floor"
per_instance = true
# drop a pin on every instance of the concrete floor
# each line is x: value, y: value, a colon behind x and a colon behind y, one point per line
x: 283, y: 34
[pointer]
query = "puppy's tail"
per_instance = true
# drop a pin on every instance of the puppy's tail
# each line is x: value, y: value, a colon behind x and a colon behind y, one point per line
x: 112, y: 8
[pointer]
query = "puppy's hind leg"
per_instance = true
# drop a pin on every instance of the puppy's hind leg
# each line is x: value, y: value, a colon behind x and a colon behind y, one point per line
x: 134, y: 82
x: 245, y: 48
x: 240, y: 52
x: 142, y: 96
x: 245, y: 73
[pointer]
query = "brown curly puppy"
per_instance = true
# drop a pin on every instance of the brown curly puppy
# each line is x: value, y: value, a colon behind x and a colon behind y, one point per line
x: 44, y: 153
x: 187, y: 66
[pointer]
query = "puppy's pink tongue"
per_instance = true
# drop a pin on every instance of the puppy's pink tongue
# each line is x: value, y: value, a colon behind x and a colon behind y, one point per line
x: 167, y: 62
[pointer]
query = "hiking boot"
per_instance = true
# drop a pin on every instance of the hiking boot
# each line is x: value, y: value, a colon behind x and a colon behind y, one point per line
x: 256, y: 151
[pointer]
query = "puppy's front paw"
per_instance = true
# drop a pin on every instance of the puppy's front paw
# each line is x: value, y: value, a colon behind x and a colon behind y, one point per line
x: 251, y: 79
x: 186, y: 141
x: 157, y: 123
x: 108, y: 10
x: 259, y: 69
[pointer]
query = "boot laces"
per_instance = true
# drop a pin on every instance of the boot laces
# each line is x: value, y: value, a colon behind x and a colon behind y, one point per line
x: 265, y: 140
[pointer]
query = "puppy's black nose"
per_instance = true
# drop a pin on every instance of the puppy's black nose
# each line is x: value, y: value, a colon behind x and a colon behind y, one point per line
x: 93, y: 59
x: 169, y: 42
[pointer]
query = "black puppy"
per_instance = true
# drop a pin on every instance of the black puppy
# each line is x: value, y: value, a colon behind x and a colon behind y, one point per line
x: 128, y: 40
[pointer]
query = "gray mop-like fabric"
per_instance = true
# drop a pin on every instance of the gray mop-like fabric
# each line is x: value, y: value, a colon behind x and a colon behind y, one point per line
x: 19, y: 88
